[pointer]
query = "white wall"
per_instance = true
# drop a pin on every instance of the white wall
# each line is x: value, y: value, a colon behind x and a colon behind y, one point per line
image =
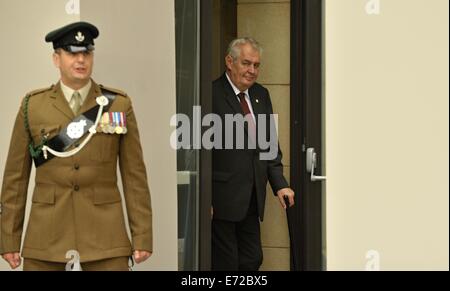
x: 135, y: 53
x: 387, y: 134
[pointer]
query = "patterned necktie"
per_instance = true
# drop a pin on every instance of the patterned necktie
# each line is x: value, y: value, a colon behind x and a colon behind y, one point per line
x: 75, y: 102
x: 248, y: 116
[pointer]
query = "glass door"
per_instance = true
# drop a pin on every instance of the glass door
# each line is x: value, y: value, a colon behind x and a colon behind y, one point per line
x: 188, y: 96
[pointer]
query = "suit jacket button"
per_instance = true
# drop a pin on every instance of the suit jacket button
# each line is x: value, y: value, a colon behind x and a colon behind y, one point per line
x: 76, y: 188
x: 76, y: 167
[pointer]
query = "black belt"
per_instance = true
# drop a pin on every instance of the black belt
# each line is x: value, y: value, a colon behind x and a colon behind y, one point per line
x: 62, y: 141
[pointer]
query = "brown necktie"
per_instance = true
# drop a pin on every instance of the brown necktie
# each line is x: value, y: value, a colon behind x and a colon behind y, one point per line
x: 248, y: 116
x: 75, y: 103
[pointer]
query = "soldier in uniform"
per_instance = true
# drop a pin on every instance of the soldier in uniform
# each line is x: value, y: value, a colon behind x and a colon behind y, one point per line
x: 74, y: 132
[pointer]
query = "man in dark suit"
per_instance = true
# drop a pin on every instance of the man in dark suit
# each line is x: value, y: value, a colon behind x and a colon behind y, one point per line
x: 240, y: 175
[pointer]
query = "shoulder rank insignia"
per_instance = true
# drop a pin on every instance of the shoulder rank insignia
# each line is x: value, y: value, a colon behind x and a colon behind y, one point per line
x: 116, y: 91
x: 39, y: 91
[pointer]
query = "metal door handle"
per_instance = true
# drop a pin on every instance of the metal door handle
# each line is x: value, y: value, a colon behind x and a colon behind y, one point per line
x: 311, y: 164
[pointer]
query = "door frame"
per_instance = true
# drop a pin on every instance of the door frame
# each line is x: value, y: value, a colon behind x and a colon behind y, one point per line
x: 306, y: 218
x: 205, y: 174
x: 228, y: 32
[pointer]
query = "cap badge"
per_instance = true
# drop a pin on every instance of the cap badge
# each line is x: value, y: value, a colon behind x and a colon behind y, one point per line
x: 79, y: 37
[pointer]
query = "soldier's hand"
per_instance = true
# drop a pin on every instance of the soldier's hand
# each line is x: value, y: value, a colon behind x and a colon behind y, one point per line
x: 286, y: 193
x: 13, y: 260
x: 141, y: 256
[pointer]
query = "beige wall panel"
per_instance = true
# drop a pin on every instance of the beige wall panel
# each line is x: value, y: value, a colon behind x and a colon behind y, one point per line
x: 269, y: 23
x: 387, y: 134
x: 276, y: 259
x: 274, y: 229
x: 280, y: 96
x: 262, y: 1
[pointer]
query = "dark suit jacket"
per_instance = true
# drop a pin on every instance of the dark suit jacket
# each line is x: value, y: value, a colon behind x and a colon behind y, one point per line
x: 236, y: 172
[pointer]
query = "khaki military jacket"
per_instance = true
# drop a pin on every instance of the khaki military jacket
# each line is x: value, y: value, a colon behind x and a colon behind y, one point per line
x: 76, y: 203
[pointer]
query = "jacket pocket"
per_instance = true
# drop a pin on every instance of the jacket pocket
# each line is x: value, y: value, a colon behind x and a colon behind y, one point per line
x: 106, y: 195
x: 221, y: 176
x: 40, y: 230
x: 108, y: 219
x: 44, y: 193
x: 103, y: 147
x: 39, y: 131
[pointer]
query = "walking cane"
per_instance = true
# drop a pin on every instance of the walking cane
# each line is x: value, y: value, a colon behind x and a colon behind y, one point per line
x: 292, y: 236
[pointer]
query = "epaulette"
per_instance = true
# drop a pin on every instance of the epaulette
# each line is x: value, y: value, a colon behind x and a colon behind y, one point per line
x: 116, y: 91
x: 39, y: 91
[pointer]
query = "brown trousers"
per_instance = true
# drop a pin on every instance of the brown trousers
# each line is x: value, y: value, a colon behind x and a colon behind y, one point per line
x: 113, y: 264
